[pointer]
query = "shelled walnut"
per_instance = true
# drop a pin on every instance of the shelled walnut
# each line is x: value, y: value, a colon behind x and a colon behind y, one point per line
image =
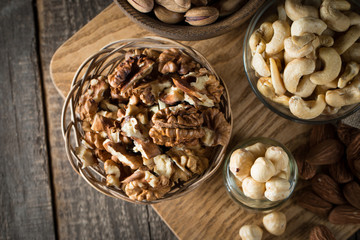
x: 148, y: 135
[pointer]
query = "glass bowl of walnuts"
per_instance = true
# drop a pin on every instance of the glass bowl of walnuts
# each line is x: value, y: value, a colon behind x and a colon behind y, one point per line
x: 150, y: 120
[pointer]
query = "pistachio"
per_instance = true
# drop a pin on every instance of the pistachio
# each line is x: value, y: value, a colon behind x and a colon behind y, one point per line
x: 168, y: 16
x: 200, y: 16
x: 143, y: 6
x: 227, y: 7
x: 174, y: 6
x: 183, y: 3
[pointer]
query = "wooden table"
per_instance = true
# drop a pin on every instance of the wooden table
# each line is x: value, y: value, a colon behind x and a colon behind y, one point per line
x: 41, y: 197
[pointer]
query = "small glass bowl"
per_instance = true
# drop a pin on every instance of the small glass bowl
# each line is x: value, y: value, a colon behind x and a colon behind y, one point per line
x: 260, y: 205
x: 268, y: 12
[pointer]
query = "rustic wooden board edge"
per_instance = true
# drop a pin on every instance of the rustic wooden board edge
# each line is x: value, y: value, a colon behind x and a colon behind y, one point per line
x: 164, y: 220
x: 69, y: 42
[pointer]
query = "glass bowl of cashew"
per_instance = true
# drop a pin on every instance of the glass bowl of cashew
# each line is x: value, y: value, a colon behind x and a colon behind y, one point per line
x: 260, y: 174
x: 303, y: 61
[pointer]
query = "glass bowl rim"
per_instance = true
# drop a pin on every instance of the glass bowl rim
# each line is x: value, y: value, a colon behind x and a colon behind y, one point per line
x: 228, y: 181
x: 250, y: 29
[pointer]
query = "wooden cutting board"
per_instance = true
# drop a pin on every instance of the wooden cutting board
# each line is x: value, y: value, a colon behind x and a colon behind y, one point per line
x: 207, y: 212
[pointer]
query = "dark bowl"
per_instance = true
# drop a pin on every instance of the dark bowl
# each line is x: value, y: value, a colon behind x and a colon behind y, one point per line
x: 187, y: 32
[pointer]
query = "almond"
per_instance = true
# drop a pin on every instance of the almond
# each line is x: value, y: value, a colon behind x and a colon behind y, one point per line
x: 345, y: 214
x: 327, y: 189
x: 321, y: 232
x: 340, y: 172
x: 346, y: 133
x: 313, y: 203
x: 326, y: 152
x: 352, y: 193
x: 320, y: 133
x: 353, y: 155
x: 306, y: 171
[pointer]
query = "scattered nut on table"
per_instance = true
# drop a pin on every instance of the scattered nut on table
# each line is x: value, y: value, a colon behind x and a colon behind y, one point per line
x: 250, y: 232
x: 275, y: 223
x: 263, y: 177
x: 152, y: 124
x: 308, y: 60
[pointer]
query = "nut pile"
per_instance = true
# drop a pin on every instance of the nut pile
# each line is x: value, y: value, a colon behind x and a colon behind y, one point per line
x: 152, y: 123
x: 261, y: 171
x: 274, y: 223
x: 332, y: 166
x: 195, y: 12
x: 308, y: 60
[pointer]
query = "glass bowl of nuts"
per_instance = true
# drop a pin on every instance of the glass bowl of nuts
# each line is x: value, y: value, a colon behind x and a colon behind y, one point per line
x: 301, y: 64
x: 189, y: 19
x: 150, y: 120
x: 260, y: 174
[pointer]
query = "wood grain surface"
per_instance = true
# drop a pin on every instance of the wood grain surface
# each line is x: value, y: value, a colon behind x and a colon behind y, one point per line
x: 207, y: 212
x: 25, y: 195
x: 81, y: 212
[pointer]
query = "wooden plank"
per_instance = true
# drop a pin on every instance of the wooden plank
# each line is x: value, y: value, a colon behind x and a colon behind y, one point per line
x: 82, y: 212
x: 25, y: 195
x: 206, y: 213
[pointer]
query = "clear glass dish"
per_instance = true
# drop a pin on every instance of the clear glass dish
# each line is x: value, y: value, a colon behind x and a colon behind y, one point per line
x: 269, y: 12
x: 236, y: 194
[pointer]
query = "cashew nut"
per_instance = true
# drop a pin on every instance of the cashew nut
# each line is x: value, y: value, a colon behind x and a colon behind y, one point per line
x: 332, y: 84
x: 296, y: 51
x: 241, y: 161
x: 307, y: 109
x: 308, y: 25
x: 294, y: 70
x: 276, y: 79
x: 278, y: 157
x: 345, y: 96
x: 250, y: 232
x: 305, y: 87
x: 266, y: 88
x: 330, y: 12
x: 332, y: 68
x: 260, y: 37
x: 323, y: 41
x: 351, y: 70
x: 253, y: 189
x: 257, y: 149
x: 275, y: 223
x: 352, y: 54
x: 354, y: 18
x: 287, y: 58
x: 281, y: 31
x: 262, y: 169
x: 295, y: 10
x: 259, y: 65
x: 345, y: 41
x: 304, y: 39
x: 330, y: 110
x: 277, y: 189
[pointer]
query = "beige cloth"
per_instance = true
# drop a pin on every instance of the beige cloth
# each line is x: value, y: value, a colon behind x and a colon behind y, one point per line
x: 353, y: 120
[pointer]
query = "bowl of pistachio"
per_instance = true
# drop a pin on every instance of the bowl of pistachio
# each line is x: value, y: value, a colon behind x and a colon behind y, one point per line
x: 189, y: 19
